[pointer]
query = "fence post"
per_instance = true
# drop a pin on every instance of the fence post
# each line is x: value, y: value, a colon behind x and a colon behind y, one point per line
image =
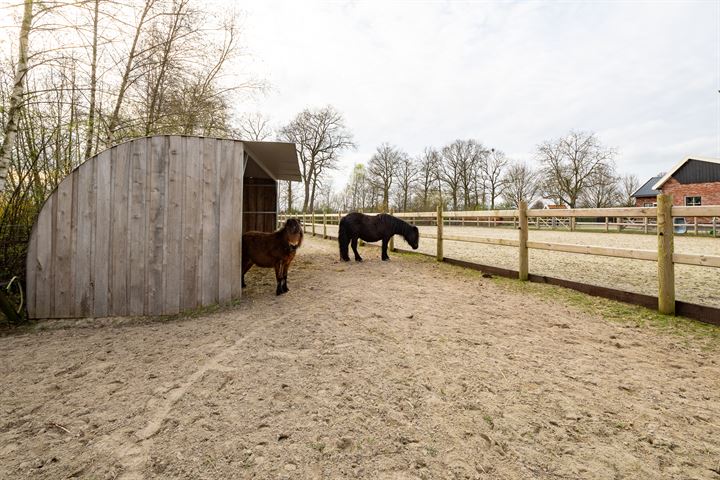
x: 312, y: 219
x: 572, y: 224
x: 439, y: 252
x: 715, y: 227
x: 645, y: 224
x: 607, y: 224
x: 324, y: 225
x: 696, y: 225
x: 391, y: 243
x: 523, y: 220
x: 666, y: 270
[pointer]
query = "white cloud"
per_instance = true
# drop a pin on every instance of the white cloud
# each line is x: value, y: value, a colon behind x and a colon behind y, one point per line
x: 644, y: 76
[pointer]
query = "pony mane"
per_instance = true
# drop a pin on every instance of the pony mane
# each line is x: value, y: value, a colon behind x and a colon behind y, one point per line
x: 400, y: 226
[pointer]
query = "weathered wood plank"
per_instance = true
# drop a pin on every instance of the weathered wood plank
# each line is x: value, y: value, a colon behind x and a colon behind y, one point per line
x: 173, y: 229
x: 157, y: 198
x: 596, y: 212
x: 595, y: 250
x: 119, y: 252
x: 103, y: 219
x: 237, y: 218
x: 84, y: 240
x: 439, y: 244
x: 210, y: 222
x: 666, y: 245
x: 489, y: 241
x: 522, y: 241
x: 31, y: 273
x: 225, y: 224
x: 137, y: 226
x: 192, y: 223
x: 62, y: 281
x: 702, y: 211
x: 44, y: 280
x: 697, y: 259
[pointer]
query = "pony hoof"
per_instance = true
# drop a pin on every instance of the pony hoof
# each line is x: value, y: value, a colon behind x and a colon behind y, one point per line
x: 386, y: 259
x: 358, y: 259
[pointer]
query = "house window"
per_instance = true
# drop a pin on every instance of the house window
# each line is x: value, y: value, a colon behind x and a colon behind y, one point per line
x: 647, y: 204
x: 693, y: 201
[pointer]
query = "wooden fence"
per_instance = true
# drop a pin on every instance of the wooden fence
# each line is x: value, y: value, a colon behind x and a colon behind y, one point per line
x: 624, y: 222
x: 522, y: 219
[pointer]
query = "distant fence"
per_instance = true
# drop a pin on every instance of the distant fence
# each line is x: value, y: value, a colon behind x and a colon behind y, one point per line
x: 658, y: 218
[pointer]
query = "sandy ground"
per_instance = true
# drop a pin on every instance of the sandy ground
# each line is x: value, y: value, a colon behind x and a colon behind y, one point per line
x: 405, y: 369
x: 692, y: 283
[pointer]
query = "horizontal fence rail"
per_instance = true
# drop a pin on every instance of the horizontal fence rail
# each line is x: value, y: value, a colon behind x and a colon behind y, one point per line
x: 658, y: 218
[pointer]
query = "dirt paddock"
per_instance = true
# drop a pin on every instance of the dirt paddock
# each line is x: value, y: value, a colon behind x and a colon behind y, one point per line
x: 693, y: 284
x: 385, y: 370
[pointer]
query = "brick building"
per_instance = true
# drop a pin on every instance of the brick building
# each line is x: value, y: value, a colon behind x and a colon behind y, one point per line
x: 694, y: 181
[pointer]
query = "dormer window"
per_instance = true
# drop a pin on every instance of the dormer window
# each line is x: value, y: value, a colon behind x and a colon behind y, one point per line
x: 693, y: 201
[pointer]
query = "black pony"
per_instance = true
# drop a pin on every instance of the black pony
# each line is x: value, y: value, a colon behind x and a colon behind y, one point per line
x: 371, y: 229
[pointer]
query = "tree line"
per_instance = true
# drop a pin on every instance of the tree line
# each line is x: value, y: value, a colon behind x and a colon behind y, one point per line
x: 87, y: 74
x: 575, y: 170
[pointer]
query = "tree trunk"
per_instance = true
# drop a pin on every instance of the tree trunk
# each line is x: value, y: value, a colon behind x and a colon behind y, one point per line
x: 10, y: 130
x: 307, y: 196
x: 115, y: 118
x: 312, y: 195
x: 93, y: 85
x: 164, y: 64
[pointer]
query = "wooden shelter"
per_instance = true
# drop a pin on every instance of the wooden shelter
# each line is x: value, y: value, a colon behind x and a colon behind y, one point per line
x: 153, y: 226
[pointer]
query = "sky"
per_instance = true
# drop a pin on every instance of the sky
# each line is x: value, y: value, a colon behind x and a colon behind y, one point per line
x: 644, y: 76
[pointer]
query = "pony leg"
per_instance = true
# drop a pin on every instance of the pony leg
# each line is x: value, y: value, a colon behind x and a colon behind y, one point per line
x: 358, y: 258
x: 278, y: 279
x: 285, y: 267
x: 385, y: 249
x: 344, y: 243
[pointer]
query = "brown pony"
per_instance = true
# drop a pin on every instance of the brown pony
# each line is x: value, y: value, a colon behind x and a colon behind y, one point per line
x: 275, y: 249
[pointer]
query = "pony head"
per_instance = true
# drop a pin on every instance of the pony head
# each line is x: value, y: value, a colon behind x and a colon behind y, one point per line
x: 413, y: 237
x: 293, y: 233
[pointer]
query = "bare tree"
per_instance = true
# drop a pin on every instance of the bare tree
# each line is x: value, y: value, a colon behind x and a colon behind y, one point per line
x: 407, y: 174
x: 460, y: 163
x: 493, y: 169
x: 130, y: 65
x: 255, y: 127
x: 602, y: 191
x: 357, y: 188
x: 429, y: 166
x: 520, y: 184
x: 320, y: 136
x: 571, y: 164
x: 382, y: 169
x: 10, y: 128
x: 629, y: 184
x: 93, y: 82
